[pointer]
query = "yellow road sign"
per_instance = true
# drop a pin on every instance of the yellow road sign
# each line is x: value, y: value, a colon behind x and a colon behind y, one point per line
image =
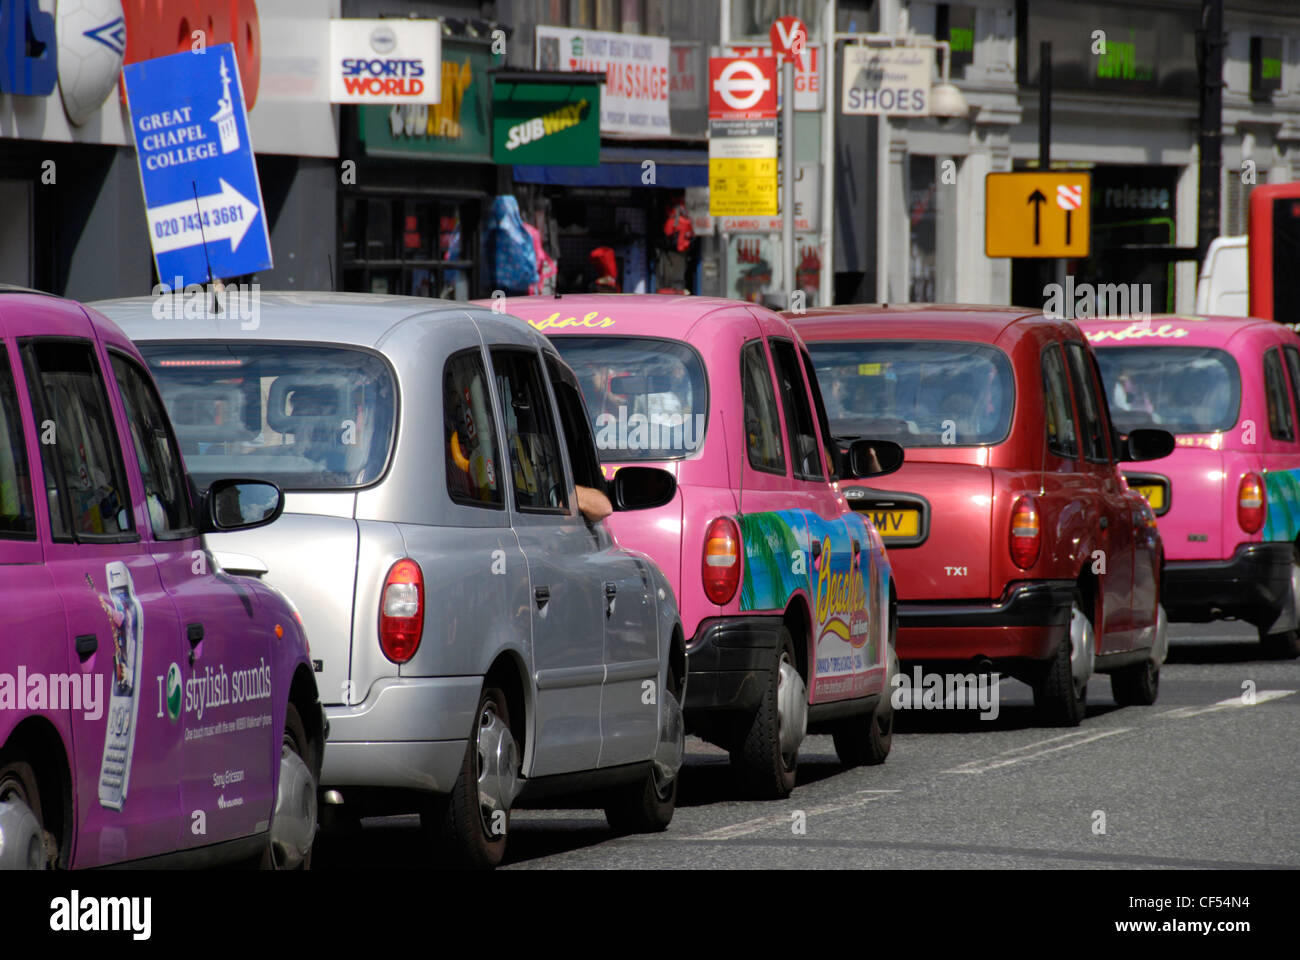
x: 1037, y: 214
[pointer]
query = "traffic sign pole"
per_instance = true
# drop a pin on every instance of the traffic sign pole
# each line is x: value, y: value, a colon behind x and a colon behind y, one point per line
x: 787, y: 184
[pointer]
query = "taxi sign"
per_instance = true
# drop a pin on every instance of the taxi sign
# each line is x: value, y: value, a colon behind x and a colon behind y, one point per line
x: 1037, y: 214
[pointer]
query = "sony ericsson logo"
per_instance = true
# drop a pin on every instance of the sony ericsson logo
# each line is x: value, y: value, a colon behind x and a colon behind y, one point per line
x: 111, y: 35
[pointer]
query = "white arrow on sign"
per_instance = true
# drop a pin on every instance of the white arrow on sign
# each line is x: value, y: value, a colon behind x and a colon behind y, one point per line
x: 226, y: 215
x: 741, y: 84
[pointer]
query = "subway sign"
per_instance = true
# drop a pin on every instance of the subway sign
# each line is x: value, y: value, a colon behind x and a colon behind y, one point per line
x: 545, y: 123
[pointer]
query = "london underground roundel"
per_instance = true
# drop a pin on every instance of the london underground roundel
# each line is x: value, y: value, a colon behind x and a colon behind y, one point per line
x: 92, y: 40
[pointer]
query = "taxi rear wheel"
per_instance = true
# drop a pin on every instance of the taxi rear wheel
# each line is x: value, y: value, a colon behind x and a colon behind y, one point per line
x: 1061, y: 689
x: 18, y: 788
x: 647, y: 806
x: 767, y: 757
x: 301, y: 800
x: 469, y: 827
x: 1285, y: 645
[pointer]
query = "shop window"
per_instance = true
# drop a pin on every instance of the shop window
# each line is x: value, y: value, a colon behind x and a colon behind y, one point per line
x: 421, y: 246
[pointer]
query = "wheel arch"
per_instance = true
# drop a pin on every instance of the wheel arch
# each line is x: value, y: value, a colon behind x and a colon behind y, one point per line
x: 508, y: 672
x: 798, y: 620
x: 305, y: 697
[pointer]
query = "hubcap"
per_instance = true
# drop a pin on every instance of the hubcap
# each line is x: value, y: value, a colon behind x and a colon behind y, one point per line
x: 497, y: 766
x: 293, y: 825
x: 1160, y: 649
x: 1082, y: 649
x: 21, y: 843
x: 791, y: 708
x: 672, y: 745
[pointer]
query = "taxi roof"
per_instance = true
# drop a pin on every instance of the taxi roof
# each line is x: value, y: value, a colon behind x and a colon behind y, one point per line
x: 953, y: 321
x: 633, y: 314
x: 1170, y: 329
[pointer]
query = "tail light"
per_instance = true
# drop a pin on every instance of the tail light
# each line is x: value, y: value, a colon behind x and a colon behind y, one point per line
x: 1250, y: 503
x: 1025, y: 535
x: 401, y: 611
x: 720, y: 568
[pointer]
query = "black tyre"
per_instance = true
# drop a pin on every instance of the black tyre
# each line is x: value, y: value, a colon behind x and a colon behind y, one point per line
x: 1060, y: 693
x: 18, y: 784
x: 1136, y: 686
x: 470, y: 826
x: 648, y: 805
x: 643, y: 807
x: 1281, y: 646
x: 865, y: 740
x: 764, y: 766
x: 296, y: 741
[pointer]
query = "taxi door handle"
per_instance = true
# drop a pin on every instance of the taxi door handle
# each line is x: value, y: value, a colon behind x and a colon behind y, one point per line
x: 1105, y: 522
x: 542, y: 595
x: 816, y: 549
x: 194, y: 632
x: 87, y: 644
x: 857, y: 548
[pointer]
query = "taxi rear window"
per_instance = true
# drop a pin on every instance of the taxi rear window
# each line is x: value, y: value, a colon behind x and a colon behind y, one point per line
x: 303, y: 416
x: 918, y: 393
x: 647, y: 398
x: 1180, y: 389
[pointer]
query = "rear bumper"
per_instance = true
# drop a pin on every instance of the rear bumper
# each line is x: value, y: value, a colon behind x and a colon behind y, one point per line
x: 1254, y: 585
x: 411, y: 732
x: 1027, y: 622
x: 729, y: 663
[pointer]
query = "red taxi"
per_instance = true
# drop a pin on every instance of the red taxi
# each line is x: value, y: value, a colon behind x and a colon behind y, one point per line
x: 1015, y: 541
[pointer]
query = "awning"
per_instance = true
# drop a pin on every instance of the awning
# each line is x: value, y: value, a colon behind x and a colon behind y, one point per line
x: 623, y: 167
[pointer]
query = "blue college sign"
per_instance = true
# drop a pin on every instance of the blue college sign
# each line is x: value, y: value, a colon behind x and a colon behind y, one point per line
x: 203, y: 199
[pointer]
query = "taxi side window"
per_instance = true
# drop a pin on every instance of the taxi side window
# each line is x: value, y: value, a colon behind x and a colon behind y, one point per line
x: 531, y: 437
x: 1085, y: 395
x: 469, y: 433
x: 1280, y: 423
x: 17, y: 513
x: 762, y: 422
x: 84, y: 476
x: 798, y: 413
x: 1061, y: 438
x: 165, y: 487
x: 1293, y: 368
x: 823, y: 422
x: 576, y: 426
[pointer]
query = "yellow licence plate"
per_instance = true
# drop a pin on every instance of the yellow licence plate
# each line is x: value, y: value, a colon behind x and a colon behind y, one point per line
x: 1154, y: 493
x: 897, y: 523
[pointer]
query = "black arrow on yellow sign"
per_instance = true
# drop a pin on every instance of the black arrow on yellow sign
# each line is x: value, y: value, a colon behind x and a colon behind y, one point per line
x: 1037, y: 199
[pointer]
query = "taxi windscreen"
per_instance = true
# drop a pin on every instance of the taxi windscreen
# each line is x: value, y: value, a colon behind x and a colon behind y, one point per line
x: 1179, y: 389
x: 303, y: 417
x: 647, y: 398
x: 918, y: 393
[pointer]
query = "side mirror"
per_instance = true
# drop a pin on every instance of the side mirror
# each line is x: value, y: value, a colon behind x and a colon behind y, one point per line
x: 872, y: 458
x: 1146, y: 443
x: 642, y: 488
x: 229, y: 505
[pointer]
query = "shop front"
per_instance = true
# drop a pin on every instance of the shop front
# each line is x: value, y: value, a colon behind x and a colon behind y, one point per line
x: 413, y: 212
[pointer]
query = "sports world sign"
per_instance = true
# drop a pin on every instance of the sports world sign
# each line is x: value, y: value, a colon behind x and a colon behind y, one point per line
x: 385, y: 61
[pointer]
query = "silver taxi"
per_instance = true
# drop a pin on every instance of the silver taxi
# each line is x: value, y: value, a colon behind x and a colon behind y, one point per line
x: 477, y: 639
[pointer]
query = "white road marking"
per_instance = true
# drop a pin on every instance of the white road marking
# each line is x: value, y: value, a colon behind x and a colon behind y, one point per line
x: 1261, y: 696
x: 747, y: 827
x: 1032, y: 750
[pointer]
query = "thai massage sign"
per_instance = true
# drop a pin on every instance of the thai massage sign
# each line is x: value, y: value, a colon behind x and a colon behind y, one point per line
x: 545, y: 123
x: 635, y: 98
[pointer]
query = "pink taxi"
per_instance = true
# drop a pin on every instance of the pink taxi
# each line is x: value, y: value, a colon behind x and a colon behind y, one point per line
x: 785, y: 592
x: 1227, y: 499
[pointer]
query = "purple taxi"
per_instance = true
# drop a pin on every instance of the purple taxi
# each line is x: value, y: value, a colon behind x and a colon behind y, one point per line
x: 152, y: 707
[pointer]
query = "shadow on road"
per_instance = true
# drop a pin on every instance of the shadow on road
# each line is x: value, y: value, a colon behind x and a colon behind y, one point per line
x: 1011, y: 716
x: 1227, y: 651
